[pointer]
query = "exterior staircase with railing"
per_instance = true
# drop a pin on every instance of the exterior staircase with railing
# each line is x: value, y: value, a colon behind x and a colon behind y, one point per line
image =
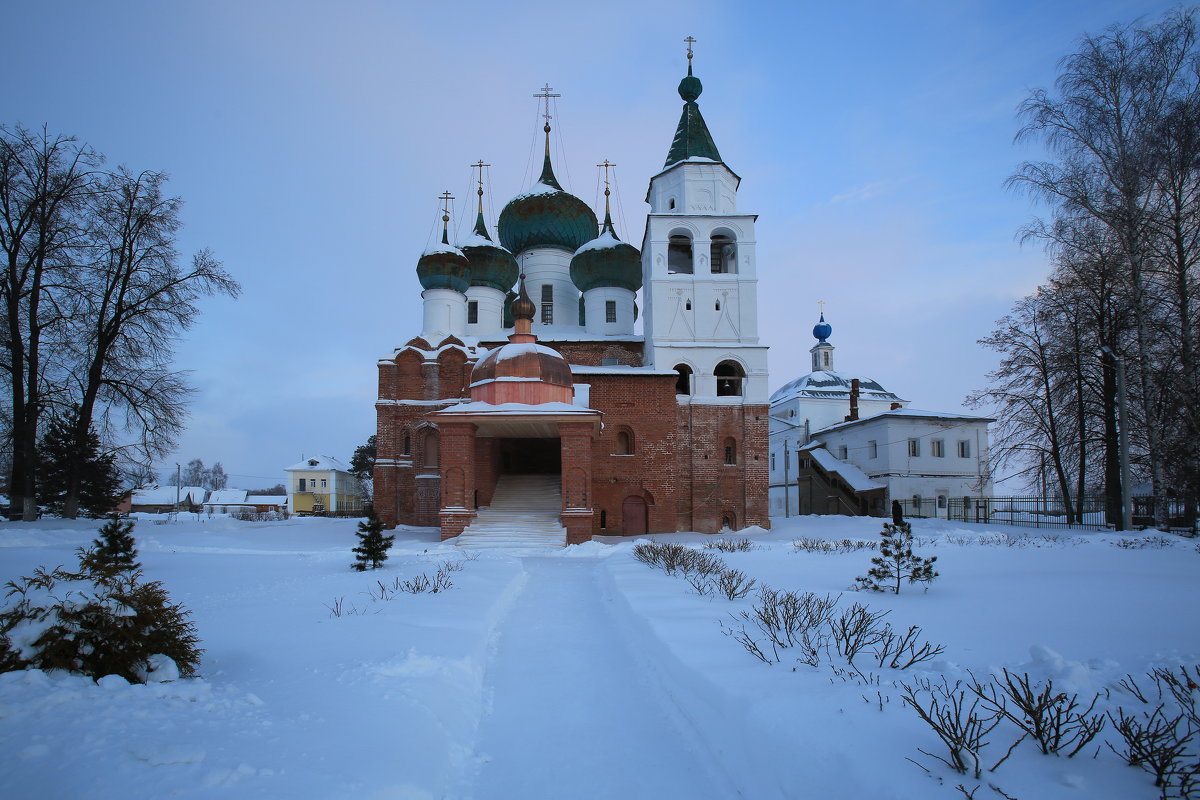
x: 525, y: 513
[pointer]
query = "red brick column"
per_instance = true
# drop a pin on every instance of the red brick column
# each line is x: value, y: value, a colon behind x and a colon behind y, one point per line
x: 577, y: 494
x: 458, y: 477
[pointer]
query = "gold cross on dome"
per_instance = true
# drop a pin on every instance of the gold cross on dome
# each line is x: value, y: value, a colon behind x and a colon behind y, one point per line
x: 545, y: 94
x: 446, y: 197
x: 606, y: 165
x: 479, y: 165
x: 690, y: 41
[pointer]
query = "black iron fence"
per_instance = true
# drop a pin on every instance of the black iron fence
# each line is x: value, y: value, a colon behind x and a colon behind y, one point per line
x: 1050, y: 512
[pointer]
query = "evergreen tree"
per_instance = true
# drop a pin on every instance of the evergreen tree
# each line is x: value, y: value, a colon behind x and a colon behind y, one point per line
x: 373, y: 545
x: 114, y: 550
x: 896, y: 561
x: 100, y: 481
x: 362, y: 463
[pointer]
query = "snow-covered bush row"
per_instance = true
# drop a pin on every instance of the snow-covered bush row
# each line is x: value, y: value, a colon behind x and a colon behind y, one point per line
x: 706, y: 573
x: 384, y: 592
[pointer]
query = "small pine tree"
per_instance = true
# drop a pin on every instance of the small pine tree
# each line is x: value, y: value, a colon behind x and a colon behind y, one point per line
x: 896, y: 561
x: 60, y: 451
x: 113, y: 550
x: 373, y: 545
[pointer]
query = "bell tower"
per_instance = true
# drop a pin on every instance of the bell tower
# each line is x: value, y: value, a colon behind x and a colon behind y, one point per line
x: 700, y: 270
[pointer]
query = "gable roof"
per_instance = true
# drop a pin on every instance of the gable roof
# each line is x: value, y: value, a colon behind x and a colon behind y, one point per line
x: 317, y: 463
x: 224, y: 497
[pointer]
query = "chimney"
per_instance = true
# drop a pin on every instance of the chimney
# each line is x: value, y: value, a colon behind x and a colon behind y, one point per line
x: 853, y: 400
x: 895, y: 406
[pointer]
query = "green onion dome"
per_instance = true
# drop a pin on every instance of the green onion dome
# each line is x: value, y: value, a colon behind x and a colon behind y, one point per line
x: 546, y: 216
x: 491, y: 265
x: 444, y: 266
x: 607, y: 261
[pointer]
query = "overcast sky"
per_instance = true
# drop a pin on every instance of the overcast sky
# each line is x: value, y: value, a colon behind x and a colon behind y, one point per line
x: 310, y: 141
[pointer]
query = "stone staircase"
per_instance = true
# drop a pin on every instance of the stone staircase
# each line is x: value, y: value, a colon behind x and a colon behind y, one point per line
x: 524, y: 513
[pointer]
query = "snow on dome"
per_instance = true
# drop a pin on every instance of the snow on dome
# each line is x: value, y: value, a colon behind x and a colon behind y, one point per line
x: 536, y: 189
x: 440, y: 247
x: 604, y: 241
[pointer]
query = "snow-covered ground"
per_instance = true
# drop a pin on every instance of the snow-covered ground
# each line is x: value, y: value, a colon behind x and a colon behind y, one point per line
x: 578, y: 673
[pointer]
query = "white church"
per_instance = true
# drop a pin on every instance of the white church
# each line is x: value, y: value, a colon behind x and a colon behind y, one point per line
x: 845, y: 445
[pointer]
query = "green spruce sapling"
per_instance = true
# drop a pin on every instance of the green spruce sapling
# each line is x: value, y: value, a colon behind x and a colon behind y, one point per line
x: 114, y: 550
x: 896, y: 561
x: 373, y: 545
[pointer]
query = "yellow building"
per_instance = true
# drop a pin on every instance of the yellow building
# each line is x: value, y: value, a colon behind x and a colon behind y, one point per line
x: 322, y: 485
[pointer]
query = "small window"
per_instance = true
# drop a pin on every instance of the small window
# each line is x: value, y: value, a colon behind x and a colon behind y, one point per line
x: 717, y: 306
x: 302, y: 485
x: 324, y: 483
x: 914, y: 447
x: 937, y: 448
x: 688, y: 305
x: 721, y: 256
x: 472, y: 312
x: 730, y: 451
x: 941, y: 501
x: 610, y: 310
x: 825, y: 358
x: 624, y: 443
x: 683, y: 384
x: 842, y: 452
x: 872, y: 449
x: 964, y: 448
x: 407, y: 445
x: 547, y: 304
x: 603, y: 518
x: 772, y: 462
x: 671, y: 204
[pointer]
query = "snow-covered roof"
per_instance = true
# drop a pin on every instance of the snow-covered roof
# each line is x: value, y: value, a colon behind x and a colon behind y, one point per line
x: 442, y: 247
x: 317, y: 463
x: 537, y: 188
x: 619, y: 369
x: 513, y: 409
x: 604, y: 241
x: 225, y: 497
x: 852, y: 475
x: 905, y: 413
x: 166, y: 495
x: 475, y: 240
x: 833, y: 385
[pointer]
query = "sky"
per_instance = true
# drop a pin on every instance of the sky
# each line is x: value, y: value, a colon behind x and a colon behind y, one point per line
x: 310, y: 141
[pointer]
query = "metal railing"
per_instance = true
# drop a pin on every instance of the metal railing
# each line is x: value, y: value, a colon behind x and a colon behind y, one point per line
x: 1051, y: 512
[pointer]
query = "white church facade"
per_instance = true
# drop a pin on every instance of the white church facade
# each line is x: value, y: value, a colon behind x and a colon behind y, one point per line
x: 844, y: 445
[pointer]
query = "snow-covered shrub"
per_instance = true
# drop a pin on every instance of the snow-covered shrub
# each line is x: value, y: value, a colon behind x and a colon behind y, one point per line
x: 902, y: 650
x: 896, y: 561
x: 1162, y: 738
x: 1056, y: 721
x: 856, y: 628
x: 786, y: 620
x: 731, y: 545
x: 956, y: 719
x: 672, y: 558
x: 96, y: 622
x: 811, y: 545
x: 733, y: 583
x: 1153, y: 542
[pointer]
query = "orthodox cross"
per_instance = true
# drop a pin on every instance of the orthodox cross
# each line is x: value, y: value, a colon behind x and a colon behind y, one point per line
x: 445, y: 197
x: 821, y: 305
x: 545, y: 94
x: 606, y: 165
x: 479, y: 165
x: 690, y: 41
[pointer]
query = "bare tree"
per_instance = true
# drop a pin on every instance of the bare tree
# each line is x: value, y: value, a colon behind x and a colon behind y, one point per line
x: 45, y: 181
x: 133, y: 299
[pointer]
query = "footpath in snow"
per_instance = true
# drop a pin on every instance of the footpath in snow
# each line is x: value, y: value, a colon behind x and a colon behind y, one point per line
x: 574, y: 706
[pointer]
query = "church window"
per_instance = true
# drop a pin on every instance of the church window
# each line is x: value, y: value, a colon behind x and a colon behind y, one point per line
x: 964, y: 448
x: 730, y: 451
x: 472, y: 312
x: 729, y: 379
x: 679, y: 254
x: 937, y: 448
x: 610, y: 310
x: 688, y: 305
x: 624, y: 443
x: 772, y: 462
x: 842, y: 452
x: 407, y: 444
x: 722, y: 256
x: 547, y: 304
x: 431, y: 450
x: 603, y: 518
x: 671, y: 204
x: 683, y: 384
x: 872, y: 449
x: 825, y: 359
x: 718, y: 305
x: 914, y: 447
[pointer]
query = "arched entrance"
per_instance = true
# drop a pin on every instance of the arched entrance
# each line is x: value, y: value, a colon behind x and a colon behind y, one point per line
x: 633, y: 516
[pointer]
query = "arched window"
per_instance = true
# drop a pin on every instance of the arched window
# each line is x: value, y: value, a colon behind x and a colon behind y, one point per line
x: 730, y: 451
x: 722, y: 254
x: 729, y: 376
x: 683, y: 384
x: 679, y: 254
x: 624, y: 443
x: 407, y: 445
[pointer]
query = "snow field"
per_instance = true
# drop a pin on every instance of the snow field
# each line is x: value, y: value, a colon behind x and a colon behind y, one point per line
x: 578, y: 674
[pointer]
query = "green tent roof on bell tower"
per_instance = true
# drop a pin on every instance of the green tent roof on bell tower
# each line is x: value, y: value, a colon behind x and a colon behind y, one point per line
x: 692, y: 138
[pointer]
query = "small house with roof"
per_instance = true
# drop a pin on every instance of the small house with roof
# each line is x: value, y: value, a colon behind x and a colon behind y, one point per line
x: 322, y: 485
x: 164, y: 499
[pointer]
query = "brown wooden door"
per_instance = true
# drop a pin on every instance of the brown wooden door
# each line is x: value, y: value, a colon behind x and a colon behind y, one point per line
x: 633, y: 516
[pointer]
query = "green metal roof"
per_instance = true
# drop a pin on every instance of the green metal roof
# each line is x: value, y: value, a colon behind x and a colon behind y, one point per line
x: 490, y: 265
x: 692, y: 139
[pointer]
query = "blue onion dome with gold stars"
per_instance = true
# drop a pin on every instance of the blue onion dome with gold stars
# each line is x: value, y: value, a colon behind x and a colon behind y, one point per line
x: 546, y: 216
x: 822, y: 330
x: 444, y: 266
x: 491, y: 265
x: 607, y: 261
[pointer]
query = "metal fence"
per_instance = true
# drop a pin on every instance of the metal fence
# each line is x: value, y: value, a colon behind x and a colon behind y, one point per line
x: 1050, y: 512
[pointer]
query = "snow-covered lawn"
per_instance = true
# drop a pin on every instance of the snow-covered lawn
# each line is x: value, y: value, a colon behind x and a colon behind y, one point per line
x: 580, y: 673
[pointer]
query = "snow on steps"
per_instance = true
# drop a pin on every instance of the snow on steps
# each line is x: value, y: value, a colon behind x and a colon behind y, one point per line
x: 524, y: 512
